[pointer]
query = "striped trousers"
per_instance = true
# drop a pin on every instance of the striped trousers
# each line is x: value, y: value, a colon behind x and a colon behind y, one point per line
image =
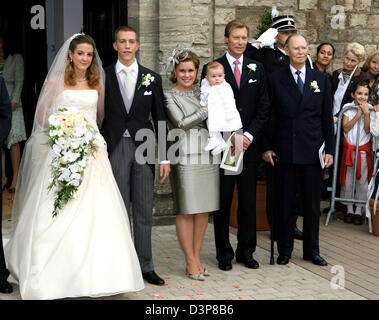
x: 136, y: 184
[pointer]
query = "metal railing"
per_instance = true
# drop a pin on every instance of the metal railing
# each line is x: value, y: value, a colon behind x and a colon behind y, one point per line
x: 333, y: 189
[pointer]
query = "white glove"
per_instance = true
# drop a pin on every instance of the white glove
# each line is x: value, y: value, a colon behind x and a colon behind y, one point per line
x: 267, y: 38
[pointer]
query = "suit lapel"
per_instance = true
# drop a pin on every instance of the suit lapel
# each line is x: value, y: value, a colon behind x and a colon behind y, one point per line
x: 137, y: 92
x: 245, y: 73
x: 307, y: 84
x: 292, y: 85
x: 116, y: 89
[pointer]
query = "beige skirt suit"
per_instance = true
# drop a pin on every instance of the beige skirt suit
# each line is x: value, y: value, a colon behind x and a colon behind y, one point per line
x: 195, y: 173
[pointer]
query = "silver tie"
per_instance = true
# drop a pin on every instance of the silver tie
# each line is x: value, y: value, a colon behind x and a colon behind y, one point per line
x: 128, y: 84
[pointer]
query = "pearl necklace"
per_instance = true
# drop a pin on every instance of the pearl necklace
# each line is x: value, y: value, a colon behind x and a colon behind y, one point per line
x: 81, y: 80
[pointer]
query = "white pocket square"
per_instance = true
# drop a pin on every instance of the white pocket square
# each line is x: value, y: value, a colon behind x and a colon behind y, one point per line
x: 148, y: 93
x: 252, y: 81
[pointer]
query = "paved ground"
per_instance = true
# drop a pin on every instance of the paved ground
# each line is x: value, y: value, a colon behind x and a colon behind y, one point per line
x: 349, y: 249
x: 299, y: 280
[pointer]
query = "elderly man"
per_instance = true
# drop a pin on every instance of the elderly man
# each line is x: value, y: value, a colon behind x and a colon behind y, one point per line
x: 302, y: 121
x: 273, y: 60
x: 5, y: 126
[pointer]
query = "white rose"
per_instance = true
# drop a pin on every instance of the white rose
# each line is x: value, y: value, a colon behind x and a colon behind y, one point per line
x: 74, y: 183
x: 65, y: 174
x: 53, y: 120
x: 53, y: 133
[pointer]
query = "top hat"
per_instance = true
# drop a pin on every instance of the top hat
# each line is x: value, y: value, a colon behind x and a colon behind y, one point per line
x: 283, y: 23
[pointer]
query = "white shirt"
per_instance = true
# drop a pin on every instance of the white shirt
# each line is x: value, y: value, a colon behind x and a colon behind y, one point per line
x: 133, y: 68
x: 232, y: 65
x: 231, y: 62
x: 302, y: 74
x: 351, y: 136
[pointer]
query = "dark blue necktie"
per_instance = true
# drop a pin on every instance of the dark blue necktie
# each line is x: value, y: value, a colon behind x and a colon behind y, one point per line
x: 300, y: 82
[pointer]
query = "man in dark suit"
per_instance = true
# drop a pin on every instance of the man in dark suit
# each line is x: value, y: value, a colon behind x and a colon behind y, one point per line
x: 132, y: 94
x: 302, y: 107
x: 248, y: 81
x: 273, y: 60
x: 5, y: 126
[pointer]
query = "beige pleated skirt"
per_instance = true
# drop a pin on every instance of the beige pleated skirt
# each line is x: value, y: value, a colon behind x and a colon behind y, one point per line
x: 195, y: 188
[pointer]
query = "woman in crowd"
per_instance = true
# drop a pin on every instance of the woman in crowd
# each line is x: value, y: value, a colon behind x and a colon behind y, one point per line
x: 12, y: 69
x: 371, y: 67
x: 195, y: 180
x: 324, y: 56
x: 344, y: 79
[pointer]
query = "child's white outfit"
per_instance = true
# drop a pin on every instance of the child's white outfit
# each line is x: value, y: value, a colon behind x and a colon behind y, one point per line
x: 222, y: 113
x: 364, y: 167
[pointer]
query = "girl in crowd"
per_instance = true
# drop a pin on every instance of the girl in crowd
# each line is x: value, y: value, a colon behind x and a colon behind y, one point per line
x: 351, y: 119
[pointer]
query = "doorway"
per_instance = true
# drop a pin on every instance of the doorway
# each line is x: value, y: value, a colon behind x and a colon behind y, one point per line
x: 15, y: 18
x: 15, y: 26
x: 101, y: 19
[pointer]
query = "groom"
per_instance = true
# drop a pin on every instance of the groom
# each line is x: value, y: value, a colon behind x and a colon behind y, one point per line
x: 129, y: 101
x: 5, y: 126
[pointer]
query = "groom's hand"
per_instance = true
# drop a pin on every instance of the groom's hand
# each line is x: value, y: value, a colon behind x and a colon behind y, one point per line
x: 164, y: 171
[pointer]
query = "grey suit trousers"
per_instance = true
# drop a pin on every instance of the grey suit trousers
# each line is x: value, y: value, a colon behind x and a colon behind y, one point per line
x: 136, y: 184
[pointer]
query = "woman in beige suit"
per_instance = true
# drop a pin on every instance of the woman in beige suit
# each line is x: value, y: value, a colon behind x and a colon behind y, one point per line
x: 194, y: 177
x: 12, y: 69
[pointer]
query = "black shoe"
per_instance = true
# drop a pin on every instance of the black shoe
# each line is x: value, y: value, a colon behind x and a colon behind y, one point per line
x: 317, y: 260
x: 225, y: 265
x: 297, y: 234
x: 5, y: 287
x: 349, y: 218
x: 283, y: 259
x: 153, y: 278
x: 357, y: 220
x: 249, y: 263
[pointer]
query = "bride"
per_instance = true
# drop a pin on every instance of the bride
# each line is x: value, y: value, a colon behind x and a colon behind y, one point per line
x: 86, y: 250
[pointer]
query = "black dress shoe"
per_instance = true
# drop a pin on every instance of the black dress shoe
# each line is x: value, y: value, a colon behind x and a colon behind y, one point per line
x: 153, y: 278
x: 5, y: 287
x: 297, y: 234
x: 250, y: 263
x: 283, y: 259
x: 225, y: 265
x: 317, y: 260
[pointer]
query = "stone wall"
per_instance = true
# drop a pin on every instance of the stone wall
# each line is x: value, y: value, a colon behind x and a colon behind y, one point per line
x: 163, y: 24
x: 318, y: 20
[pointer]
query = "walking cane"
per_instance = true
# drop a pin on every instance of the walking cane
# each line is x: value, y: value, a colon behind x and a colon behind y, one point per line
x: 270, y: 209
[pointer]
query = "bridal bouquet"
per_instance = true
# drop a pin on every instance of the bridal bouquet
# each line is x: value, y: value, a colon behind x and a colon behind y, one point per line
x: 72, y: 141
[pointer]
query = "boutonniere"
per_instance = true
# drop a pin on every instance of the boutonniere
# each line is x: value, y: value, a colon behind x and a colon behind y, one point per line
x: 314, y: 86
x: 252, y: 67
x: 146, y: 80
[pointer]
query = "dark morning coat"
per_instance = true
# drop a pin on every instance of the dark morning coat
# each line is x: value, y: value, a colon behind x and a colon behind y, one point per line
x: 117, y: 119
x: 301, y: 122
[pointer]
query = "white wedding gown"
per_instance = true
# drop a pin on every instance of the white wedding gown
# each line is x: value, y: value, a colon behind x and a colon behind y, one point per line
x: 85, y: 251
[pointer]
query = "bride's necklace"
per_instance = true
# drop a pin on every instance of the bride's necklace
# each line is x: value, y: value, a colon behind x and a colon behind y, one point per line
x: 81, y: 80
